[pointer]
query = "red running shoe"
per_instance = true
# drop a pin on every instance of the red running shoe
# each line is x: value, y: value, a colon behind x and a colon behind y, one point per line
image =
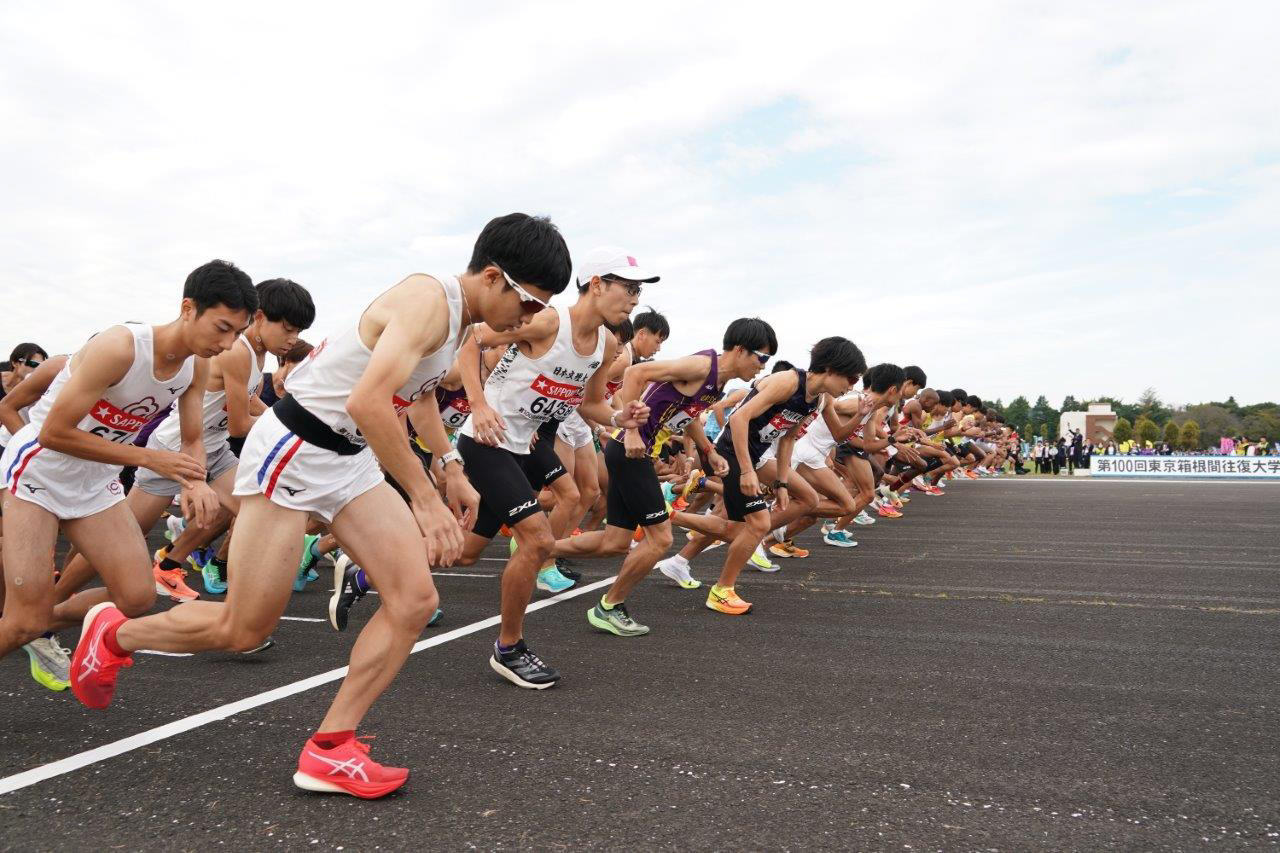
x: 94, y: 666
x: 346, y: 769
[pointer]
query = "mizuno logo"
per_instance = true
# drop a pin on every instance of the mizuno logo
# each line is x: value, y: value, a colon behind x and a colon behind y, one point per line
x: 34, y: 489
x: 352, y: 768
x: 518, y: 509
x: 293, y: 493
x: 173, y: 390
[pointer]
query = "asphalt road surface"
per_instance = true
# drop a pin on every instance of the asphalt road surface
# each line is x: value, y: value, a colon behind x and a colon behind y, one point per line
x: 1016, y: 664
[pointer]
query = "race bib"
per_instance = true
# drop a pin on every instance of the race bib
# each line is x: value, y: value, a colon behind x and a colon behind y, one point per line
x: 547, y: 399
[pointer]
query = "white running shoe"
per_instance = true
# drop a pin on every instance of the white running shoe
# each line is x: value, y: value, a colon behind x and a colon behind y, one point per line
x: 678, y: 571
x: 761, y: 560
x: 174, y: 525
x: 863, y: 518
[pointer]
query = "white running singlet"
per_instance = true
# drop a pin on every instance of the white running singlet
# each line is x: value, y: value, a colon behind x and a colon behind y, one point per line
x: 528, y: 392
x: 168, y: 436
x: 323, y: 382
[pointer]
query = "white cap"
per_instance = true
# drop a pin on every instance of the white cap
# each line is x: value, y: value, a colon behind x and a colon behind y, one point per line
x: 610, y: 260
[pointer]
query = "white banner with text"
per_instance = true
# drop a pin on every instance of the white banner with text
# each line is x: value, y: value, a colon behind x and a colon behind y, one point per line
x: 1240, y: 467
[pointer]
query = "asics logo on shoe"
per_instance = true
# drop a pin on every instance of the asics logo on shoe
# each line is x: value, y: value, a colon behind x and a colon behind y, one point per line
x: 352, y: 768
x: 293, y: 493
x: 522, y: 507
x: 90, y: 663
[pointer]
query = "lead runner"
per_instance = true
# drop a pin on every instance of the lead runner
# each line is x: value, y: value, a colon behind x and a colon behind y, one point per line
x: 317, y: 453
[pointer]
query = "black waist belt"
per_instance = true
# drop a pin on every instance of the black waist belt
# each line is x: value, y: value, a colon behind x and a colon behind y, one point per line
x: 311, y: 429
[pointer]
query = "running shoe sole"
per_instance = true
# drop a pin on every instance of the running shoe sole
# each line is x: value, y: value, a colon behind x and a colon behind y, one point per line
x: 352, y: 788
x: 42, y: 676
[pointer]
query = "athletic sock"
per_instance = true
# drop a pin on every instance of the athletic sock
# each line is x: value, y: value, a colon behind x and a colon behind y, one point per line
x: 314, y: 551
x: 605, y: 605
x: 328, y: 740
x: 362, y: 580
x: 679, y: 560
x: 168, y: 565
x: 220, y: 566
x: 109, y: 640
x: 505, y: 650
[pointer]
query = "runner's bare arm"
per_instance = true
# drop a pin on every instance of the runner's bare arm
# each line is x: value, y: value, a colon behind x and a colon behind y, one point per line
x: 236, y: 365
x: 772, y: 389
x: 414, y: 327
x: 593, y: 406
x: 104, y: 361
x: 462, y: 498
x: 198, y: 501
x: 487, y: 427
x: 726, y: 404
x: 28, y: 391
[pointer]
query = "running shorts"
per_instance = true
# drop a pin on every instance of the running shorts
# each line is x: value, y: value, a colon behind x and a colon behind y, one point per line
x: 66, y: 486
x: 296, y: 474
x: 574, y: 431
x: 738, y: 506
x: 216, y: 464
x: 635, y: 495
x: 507, y: 482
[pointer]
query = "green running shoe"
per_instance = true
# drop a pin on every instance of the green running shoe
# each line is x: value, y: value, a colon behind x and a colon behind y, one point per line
x: 616, y: 620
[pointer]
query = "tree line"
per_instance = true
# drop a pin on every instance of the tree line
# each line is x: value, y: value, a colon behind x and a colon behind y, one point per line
x: 1192, y: 427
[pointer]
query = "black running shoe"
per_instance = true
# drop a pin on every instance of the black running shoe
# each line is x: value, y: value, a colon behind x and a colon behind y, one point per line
x: 563, y: 565
x: 347, y: 590
x: 523, y: 668
x: 266, y: 644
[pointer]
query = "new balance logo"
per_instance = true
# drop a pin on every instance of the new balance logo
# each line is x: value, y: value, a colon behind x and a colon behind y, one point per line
x: 352, y: 768
x: 293, y: 493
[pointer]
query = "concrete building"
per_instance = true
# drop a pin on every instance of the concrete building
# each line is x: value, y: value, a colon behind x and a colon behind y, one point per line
x: 1097, y: 424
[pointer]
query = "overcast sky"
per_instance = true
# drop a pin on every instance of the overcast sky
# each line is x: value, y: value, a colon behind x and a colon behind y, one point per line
x: 1024, y: 198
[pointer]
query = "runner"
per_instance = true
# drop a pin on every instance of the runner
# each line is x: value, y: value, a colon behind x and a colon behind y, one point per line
x: 317, y: 452
x: 62, y: 468
x: 676, y: 392
x: 554, y: 365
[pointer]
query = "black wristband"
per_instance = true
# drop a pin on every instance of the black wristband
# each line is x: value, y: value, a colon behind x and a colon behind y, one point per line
x: 778, y: 484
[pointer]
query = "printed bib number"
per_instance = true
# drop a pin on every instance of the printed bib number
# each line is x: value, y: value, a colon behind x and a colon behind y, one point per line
x: 456, y: 413
x: 548, y: 400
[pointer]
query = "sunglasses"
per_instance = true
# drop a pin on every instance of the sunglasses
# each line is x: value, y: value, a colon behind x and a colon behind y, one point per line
x: 31, y: 362
x: 633, y: 287
x: 528, y: 302
x: 763, y: 356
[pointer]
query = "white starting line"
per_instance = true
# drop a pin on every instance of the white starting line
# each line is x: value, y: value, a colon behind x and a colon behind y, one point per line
x: 80, y: 760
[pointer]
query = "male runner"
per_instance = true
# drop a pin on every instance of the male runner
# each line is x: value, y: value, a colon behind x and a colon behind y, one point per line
x: 554, y: 365
x: 318, y: 452
x: 676, y: 393
x: 62, y: 468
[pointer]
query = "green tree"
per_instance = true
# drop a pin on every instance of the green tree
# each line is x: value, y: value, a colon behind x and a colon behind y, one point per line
x: 1043, y: 413
x: 1070, y: 404
x: 1147, y: 430
x: 1214, y: 421
x: 1189, y: 438
x: 1018, y: 410
x: 1123, y: 431
x: 1030, y: 431
x: 1151, y: 408
x: 1261, y: 424
x: 1172, y: 434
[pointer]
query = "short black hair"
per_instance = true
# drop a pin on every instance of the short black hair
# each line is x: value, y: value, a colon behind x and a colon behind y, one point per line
x: 284, y: 300
x: 528, y: 248
x: 975, y: 401
x: 653, y: 321
x: 781, y: 365
x: 22, y: 352
x: 220, y: 283
x: 750, y: 333
x: 300, y: 350
x: 624, y: 331
x: 837, y: 355
x: 882, y: 377
x: 960, y: 395
x: 916, y: 375
x: 946, y: 398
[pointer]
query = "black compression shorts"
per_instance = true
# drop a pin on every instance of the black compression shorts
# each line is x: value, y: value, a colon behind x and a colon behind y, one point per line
x: 635, y: 496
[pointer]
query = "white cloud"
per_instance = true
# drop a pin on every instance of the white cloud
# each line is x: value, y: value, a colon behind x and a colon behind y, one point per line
x: 1022, y: 199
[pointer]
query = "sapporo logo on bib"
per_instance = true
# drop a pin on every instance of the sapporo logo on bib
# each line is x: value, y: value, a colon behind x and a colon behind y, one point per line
x: 120, y: 425
x: 552, y: 400
x: 778, y: 424
x: 457, y: 412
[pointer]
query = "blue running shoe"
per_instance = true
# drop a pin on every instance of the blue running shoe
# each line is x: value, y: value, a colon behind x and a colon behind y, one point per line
x: 214, y: 582
x: 436, y: 617
x: 550, y: 580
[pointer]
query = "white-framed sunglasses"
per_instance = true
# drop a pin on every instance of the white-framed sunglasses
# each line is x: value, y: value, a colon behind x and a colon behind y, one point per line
x: 528, y: 301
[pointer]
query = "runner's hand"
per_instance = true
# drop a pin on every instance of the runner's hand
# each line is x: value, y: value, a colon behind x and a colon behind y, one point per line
x: 440, y: 530
x: 633, y: 415
x: 633, y: 443
x: 199, y: 503
x: 782, y: 495
x: 178, y: 467
x: 488, y: 427
x: 719, y: 466
x: 464, y: 500
x: 749, y: 484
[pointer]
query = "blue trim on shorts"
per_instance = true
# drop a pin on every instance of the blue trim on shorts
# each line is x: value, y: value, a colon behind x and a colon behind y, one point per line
x: 262, y: 472
x: 17, y: 457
